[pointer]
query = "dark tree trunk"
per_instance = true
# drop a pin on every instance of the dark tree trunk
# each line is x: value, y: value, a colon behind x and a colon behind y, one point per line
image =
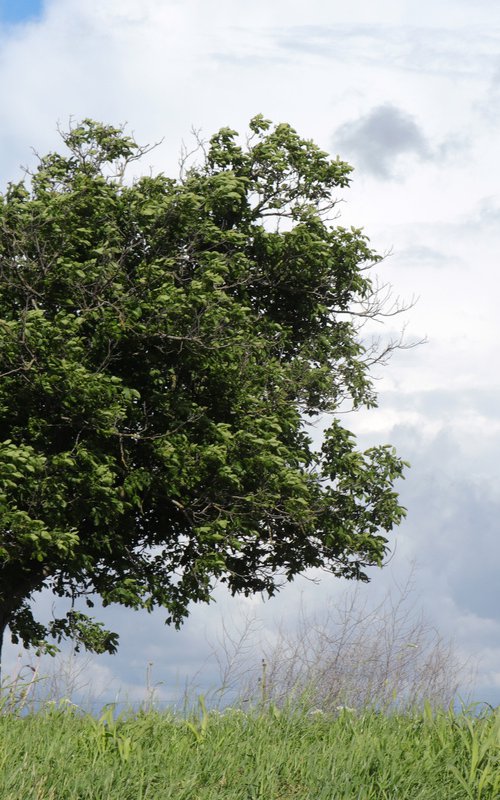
x: 16, y: 591
x: 3, y: 626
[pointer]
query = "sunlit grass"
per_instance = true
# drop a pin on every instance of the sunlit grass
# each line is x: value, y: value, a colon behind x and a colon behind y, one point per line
x: 61, y: 753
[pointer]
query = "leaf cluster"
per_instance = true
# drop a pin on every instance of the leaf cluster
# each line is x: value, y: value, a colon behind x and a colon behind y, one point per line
x: 162, y: 344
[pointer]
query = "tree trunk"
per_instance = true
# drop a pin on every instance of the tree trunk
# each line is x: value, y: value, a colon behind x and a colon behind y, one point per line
x: 3, y: 626
x: 5, y: 615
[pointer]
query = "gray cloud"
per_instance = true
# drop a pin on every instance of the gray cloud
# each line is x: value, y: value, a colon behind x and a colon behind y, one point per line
x: 487, y: 102
x: 422, y: 255
x: 467, y: 52
x: 453, y: 508
x: 444, y: 402
x: 377, y: 139
x: 489, y: 213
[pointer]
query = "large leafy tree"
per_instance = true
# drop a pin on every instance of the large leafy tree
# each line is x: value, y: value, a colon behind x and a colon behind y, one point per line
x: 163, y: 346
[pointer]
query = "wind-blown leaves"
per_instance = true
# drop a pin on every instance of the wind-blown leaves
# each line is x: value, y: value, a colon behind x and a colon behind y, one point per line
x: 162, y: 344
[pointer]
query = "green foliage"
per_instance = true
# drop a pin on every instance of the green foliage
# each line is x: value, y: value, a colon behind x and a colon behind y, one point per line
x: 162, y: 344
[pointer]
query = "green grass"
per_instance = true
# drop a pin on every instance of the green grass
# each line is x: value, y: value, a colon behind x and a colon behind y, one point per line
x: 63, y: 754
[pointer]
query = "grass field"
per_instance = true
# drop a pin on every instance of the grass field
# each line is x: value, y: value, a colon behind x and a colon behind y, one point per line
x: 62, y: 754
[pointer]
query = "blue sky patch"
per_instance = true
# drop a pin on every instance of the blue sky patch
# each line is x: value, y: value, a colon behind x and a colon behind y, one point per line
x: 15, y: 11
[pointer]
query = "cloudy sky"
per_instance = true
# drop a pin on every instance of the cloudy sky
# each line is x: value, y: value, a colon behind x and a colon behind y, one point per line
x: 409, y: 93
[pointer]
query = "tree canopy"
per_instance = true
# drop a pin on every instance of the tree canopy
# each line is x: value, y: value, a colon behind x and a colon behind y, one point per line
x: 163, y: 345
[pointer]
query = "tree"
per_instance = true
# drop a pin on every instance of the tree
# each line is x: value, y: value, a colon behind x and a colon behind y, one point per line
x: 163, y: 345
